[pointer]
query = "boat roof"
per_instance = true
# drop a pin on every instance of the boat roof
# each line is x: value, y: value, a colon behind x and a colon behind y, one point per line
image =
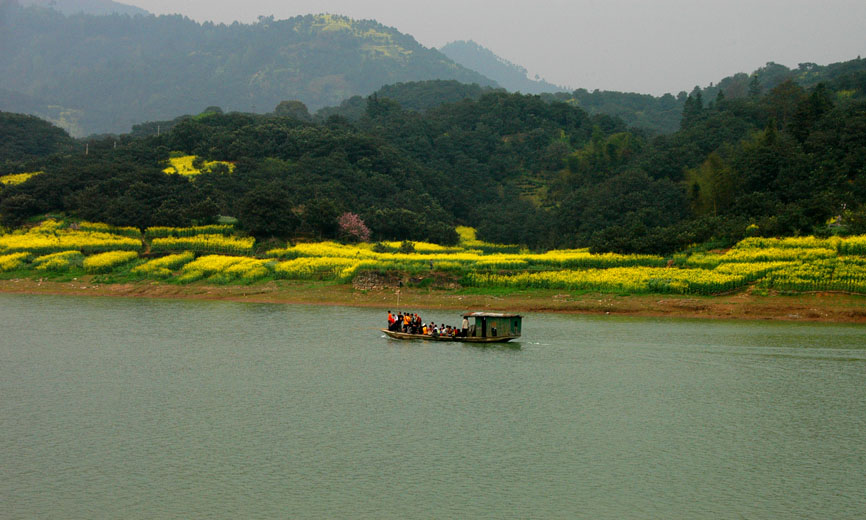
x: 490, y: 315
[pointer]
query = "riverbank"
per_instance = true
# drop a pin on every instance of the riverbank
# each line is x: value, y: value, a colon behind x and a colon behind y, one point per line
x: 821, y: 307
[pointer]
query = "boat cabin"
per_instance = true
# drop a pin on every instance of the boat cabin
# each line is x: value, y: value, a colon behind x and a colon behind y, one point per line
x: 493, y: 324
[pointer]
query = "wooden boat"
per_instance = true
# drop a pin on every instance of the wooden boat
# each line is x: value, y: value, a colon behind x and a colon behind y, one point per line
x: 488, y: 327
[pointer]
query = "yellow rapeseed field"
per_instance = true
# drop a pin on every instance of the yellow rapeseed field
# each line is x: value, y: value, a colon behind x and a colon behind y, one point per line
x: 49, y: 237
x: 17, y: 178
x: 782, y: 264
x: 105, y: 262
x: 163, y: 267
x: 617, y: 279
x: 183, y: 165
x: 224, y: 269
x: 58, y: 262
x: 13, y: 261
x: 205, y: 244
x: 163, y: 231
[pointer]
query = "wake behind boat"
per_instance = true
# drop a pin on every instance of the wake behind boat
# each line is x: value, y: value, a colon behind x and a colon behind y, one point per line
x: 484, y: 327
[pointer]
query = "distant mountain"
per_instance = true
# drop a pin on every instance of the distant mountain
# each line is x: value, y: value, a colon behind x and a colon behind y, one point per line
x: 509, y: 75
x: 97, y: 7
x: 106, y: 73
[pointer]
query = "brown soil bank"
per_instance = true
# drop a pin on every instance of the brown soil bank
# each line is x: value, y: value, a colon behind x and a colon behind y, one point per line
x: 828, y: 307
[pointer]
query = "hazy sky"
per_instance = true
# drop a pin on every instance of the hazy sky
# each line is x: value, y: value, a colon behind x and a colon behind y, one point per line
x: 651, y: 46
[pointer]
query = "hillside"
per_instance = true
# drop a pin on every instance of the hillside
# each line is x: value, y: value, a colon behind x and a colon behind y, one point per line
x: 510, y: 76
x: 97, y: 7
x: 23, y: 137
x: 521, y: 169
x: 94, y: 74
x: 412, y: 95
x: 662, y: 114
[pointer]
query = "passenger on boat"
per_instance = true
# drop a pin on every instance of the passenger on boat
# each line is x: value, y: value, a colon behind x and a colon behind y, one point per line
x: 391, y: 321
x: 464, y: 327
x: 424, y: 329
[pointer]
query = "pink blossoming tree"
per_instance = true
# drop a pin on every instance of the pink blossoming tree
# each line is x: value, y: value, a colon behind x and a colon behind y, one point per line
x: 352, y: 228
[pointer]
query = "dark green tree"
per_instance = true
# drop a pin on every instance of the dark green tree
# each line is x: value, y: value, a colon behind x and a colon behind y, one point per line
x: 267, y: 211
x: 294, y: 109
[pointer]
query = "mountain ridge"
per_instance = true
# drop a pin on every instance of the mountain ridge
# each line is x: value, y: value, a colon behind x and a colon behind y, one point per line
x: 510, y: 76
x: 108, y: 73
x: 94, y: 7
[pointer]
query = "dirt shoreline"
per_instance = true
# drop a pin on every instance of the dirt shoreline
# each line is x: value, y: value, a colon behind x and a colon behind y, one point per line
x: 813, y: 307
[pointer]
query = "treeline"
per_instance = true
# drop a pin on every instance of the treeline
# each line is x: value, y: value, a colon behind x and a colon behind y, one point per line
x: 521, y: 169
x: 662, y: 114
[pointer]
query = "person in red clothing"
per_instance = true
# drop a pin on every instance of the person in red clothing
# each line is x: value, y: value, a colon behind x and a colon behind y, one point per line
x: 391, y: 321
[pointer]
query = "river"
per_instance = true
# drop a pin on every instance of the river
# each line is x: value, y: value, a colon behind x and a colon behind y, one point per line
x: 135, y: 408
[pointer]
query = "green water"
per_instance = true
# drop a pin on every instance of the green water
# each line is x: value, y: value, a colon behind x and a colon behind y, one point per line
x: 115, y: 408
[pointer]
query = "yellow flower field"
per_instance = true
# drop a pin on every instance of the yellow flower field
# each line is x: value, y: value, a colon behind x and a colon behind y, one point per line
x: 61, y: 261
x: 617, y: 279
x: 17, y: 178
x: 105, y: 262
x: 224, y: 269
x: 126, y: 231
x: 183, y: 165
x: 784, y: 264
x: 49, y: 238
x: 13, y: 261
x: 163, y: 232
x: 162, y: 267
x: 205, y: 244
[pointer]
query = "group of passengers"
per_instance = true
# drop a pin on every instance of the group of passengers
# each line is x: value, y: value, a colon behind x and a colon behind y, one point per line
x: 410, y: 323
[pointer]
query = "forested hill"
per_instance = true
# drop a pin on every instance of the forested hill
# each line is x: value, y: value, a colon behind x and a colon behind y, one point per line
x: 510, y: 76
x: 662, y: 114
x: 656, y: 114
x: 523, y: 170
x: 24, y: 137
x: 98, y: 7
x: 95, y: 74
x: 412, y: 95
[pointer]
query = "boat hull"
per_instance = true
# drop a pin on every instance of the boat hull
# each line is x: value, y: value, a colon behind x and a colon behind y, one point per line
x: 403, y: 335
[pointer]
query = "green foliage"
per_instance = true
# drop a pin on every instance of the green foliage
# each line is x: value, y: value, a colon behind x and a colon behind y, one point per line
x: 522, y: 169
x: 25, y: 137
x: 294, y: 109
x: 411, y: 95
x: 266, y: 211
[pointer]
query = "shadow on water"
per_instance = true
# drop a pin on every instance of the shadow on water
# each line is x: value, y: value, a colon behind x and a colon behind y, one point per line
x: 511, y: 346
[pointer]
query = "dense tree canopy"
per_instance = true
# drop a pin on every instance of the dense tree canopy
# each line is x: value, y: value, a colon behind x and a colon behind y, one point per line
x: 521, y: 169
